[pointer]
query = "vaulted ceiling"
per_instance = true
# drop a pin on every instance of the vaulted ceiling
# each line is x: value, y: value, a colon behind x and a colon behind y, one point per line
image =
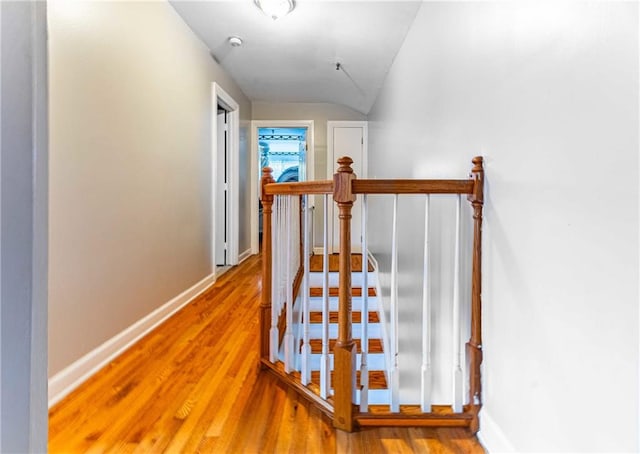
x: 294, y: 58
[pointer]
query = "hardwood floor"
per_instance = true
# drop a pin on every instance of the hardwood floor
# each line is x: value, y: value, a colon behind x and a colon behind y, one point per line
x: 193, y: 385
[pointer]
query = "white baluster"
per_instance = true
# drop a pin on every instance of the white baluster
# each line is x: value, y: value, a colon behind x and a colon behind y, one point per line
x: 457, y: 369
x: 283, y: 254
x: 281, y: 250
x: 284, y: 257
x: 289, y: 351
x: 306, y: 348
x: 364, y: 351
x: 395, y: 372
x: 425, y: 394
x: 295, y: 267
x: 275, y: 281
x: 294, y: 220
x: 324, y: 358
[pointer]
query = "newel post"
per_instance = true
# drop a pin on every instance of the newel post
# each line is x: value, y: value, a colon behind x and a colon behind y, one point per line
x: 344, y: 378
x: 474, y: 346
x: 265, y: 304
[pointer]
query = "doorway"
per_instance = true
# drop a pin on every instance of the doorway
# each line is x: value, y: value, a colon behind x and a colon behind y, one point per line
x: 286, y: 147
x: 225, y: 138
x: 285, y: 151
x: 221, y: 210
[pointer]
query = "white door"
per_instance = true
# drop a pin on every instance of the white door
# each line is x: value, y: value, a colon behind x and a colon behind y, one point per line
x: 222, y: 200
x: 347, y: 138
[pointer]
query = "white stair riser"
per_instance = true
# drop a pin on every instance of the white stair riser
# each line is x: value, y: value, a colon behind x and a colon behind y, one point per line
x: 374, y: 331
x: 315, y: 303
x: 376, y: 396
x: 315, y: 279
x: 375, y: 361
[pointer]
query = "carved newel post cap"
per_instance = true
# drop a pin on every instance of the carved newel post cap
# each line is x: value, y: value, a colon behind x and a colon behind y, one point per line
x: 477, y: 163
x: 477, y: 175
x: 342, y: 190
x: 267, y: 177
x: 345, y: 165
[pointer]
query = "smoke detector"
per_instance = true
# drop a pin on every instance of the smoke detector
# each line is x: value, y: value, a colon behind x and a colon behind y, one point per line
x: 235, y: 41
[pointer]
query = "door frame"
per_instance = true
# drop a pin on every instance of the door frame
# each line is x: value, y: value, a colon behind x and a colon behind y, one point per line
x: 24, y: 241
x: 331, y: 159
x: 255, y: 186
x: 221, y: 97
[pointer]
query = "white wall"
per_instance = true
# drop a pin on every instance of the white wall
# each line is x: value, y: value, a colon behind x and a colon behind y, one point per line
x: 130, y: 192
x: 23, y: 227
x: 548, y: 93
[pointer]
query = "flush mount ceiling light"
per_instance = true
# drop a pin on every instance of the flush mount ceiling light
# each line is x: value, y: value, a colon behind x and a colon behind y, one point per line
x: 275, y: 9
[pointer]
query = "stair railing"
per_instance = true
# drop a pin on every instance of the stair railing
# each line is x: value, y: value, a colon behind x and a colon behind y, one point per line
x: 278, y: 311
x: 345, y: 187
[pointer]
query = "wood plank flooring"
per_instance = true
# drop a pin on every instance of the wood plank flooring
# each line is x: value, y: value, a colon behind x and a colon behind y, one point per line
x: 193, y: 386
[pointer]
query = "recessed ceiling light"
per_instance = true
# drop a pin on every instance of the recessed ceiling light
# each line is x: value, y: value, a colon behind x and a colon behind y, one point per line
x: 235, y: 41
x: 275, y: 9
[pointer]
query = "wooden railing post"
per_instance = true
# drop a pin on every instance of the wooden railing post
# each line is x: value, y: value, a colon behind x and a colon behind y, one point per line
x: 265, y: 304
x: 344, y: 378
x: 474, y: 346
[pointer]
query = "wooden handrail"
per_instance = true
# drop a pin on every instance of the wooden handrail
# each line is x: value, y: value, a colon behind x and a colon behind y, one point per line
x: 374, y: 187
x: 413, y: 186
x: 300, y: 188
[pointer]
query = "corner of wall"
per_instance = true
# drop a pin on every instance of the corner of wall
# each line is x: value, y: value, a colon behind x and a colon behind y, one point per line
x: 492, y: 437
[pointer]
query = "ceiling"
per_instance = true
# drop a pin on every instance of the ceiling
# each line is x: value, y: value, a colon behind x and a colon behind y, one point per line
x: 294, y: 58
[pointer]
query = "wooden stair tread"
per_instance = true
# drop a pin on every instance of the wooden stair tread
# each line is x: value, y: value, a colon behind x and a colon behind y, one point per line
x: 411, y: 410
x: 356, y: 317
x: 333, y: 291
x: 377, y: 380
x: 375, y: 345
x: 315, y: 263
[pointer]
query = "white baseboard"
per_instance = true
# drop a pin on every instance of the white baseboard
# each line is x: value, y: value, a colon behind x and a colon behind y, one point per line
x: 492, y: 437
x: 244, y: 256
x: 78, y: 372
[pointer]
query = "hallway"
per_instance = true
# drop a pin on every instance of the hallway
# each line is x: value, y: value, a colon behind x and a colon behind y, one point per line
x: 193, y: 385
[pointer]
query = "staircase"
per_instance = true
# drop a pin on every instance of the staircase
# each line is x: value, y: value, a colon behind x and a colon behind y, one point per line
x: 377, y: 383
x: 376, y: 359
x: 323, y: 330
